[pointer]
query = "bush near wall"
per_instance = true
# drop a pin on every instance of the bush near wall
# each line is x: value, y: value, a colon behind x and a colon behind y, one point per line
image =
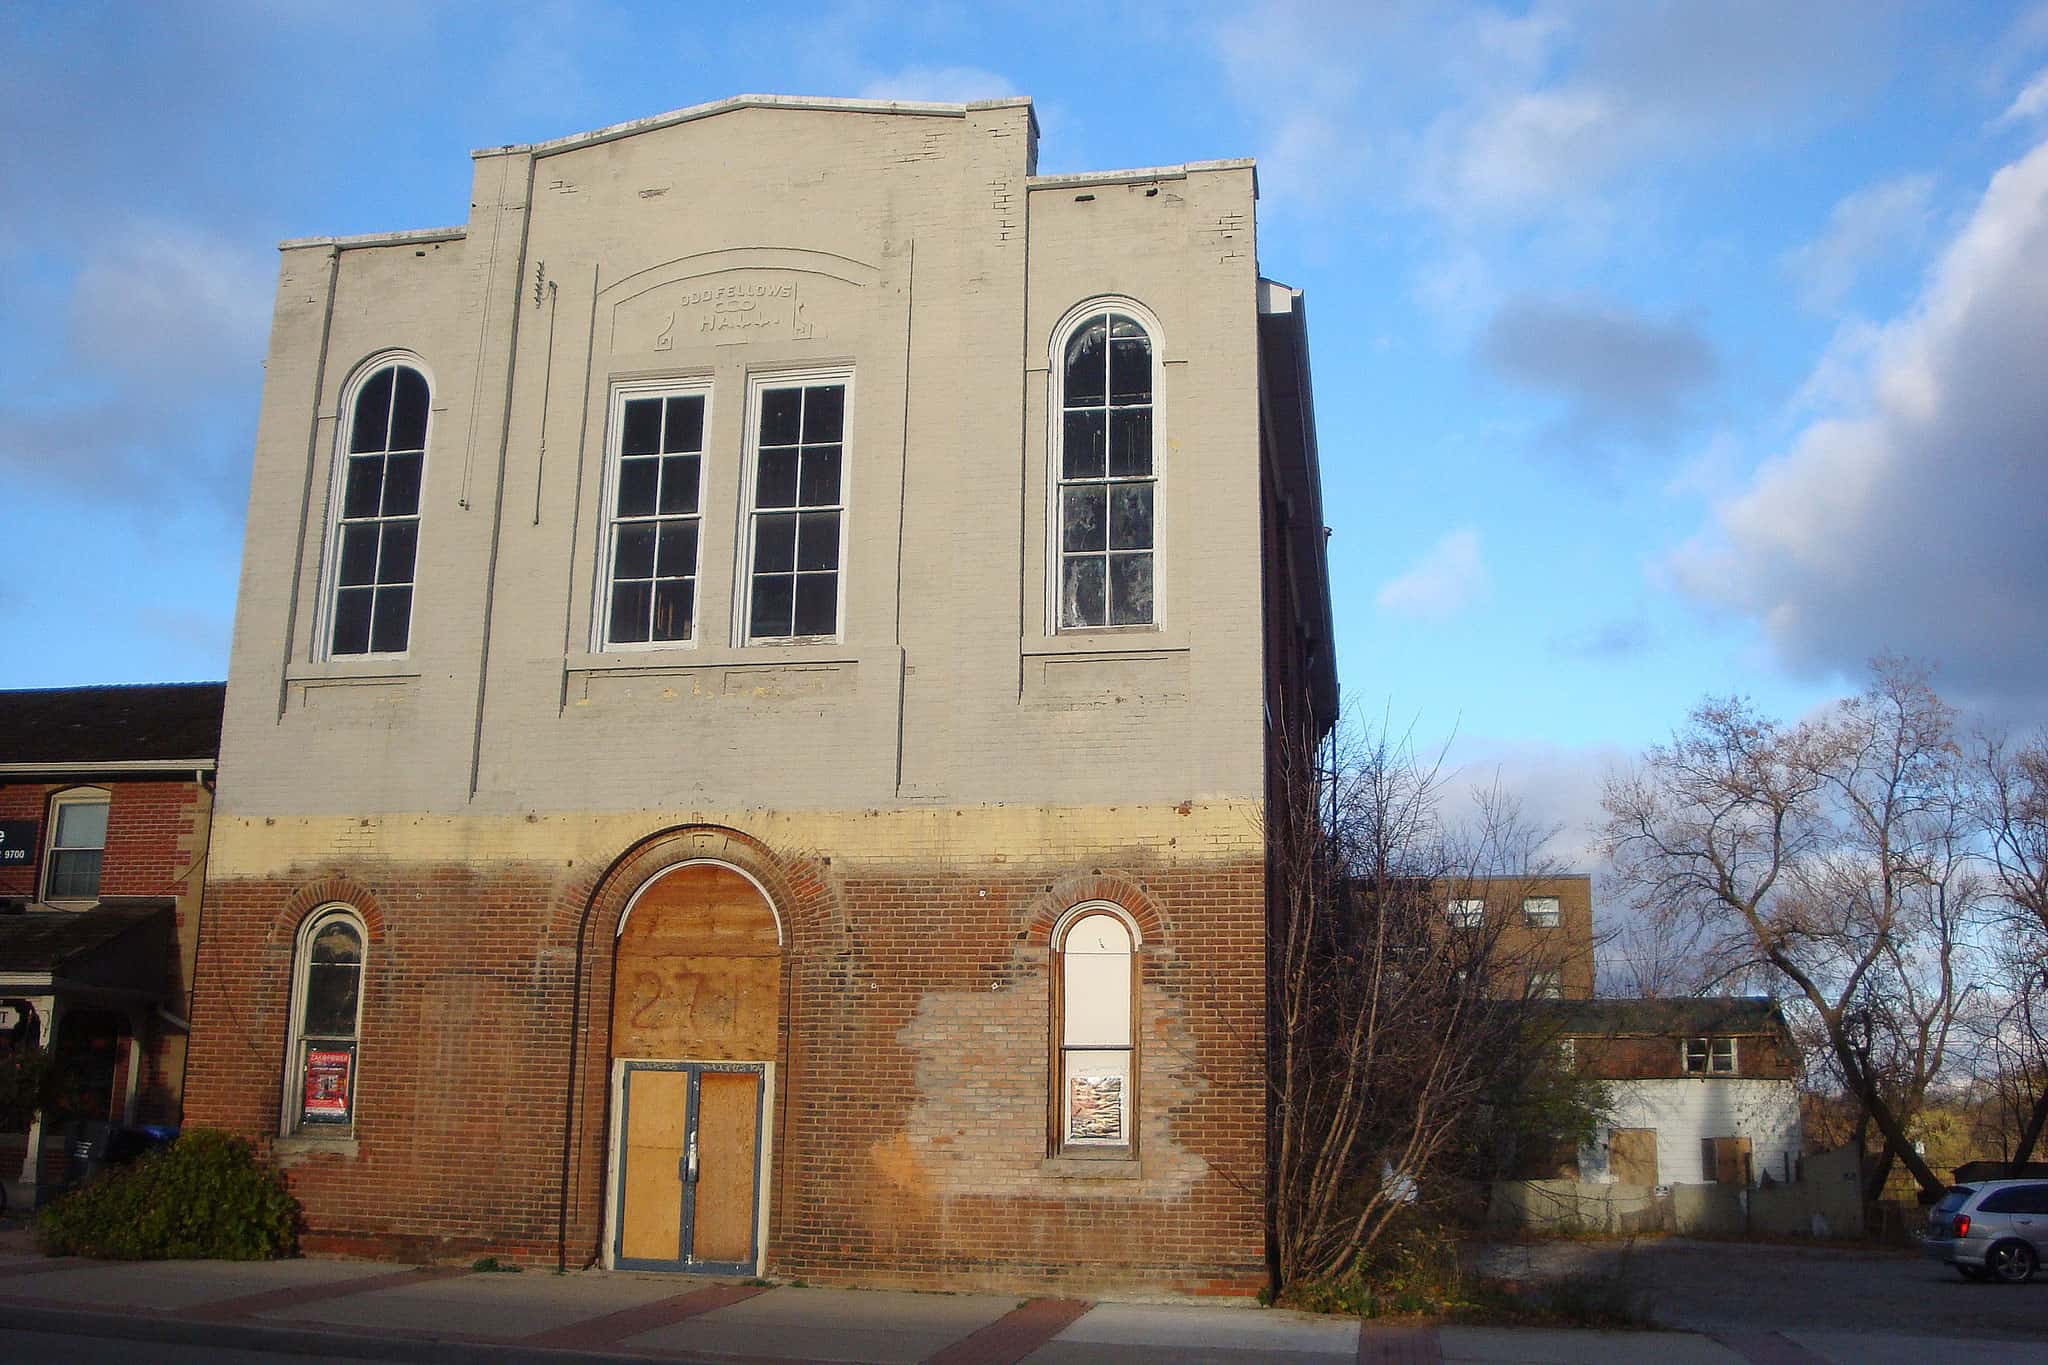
x: 208, y: 1197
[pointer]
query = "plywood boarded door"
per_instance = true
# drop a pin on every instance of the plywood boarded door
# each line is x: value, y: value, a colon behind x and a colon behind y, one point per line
x: 690, y: 1166
x: 1632, y: 1156
x: 1726, y: 1160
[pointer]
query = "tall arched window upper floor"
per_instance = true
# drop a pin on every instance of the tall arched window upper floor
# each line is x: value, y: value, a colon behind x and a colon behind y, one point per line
x: 372, y: 545
x: 1105, y: 366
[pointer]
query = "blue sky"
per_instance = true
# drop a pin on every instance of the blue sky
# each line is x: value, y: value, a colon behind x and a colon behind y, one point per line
x: 1660, y: 349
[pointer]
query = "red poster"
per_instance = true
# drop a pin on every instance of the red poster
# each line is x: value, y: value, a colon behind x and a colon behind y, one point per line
x: 327, y: 1073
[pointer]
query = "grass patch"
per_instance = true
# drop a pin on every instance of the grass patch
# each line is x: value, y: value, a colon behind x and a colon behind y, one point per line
x: 491, y: 1265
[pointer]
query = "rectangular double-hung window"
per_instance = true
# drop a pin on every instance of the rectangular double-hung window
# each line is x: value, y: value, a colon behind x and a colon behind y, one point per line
x: 652, y: 519
x: 797, y: 506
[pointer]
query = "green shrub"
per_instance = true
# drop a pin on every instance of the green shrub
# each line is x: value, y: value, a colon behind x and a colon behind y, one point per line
x: 207, y: 1197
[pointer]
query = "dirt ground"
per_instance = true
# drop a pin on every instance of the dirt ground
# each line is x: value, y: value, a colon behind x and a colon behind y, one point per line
x: 1710, y: 1285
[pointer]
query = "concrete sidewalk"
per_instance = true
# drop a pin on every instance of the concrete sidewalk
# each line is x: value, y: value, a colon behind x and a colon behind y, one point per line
x: 368, y: 1310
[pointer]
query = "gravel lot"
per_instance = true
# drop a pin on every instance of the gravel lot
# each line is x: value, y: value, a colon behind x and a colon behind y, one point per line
x: 1711, y: 1285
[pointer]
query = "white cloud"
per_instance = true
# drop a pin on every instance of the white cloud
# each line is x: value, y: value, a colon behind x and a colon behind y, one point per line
x: 1910, y: 521
x: 1449, y: 577
x: 939, y: 85
x: 1618, y: 371
x: 2030, y: 103
x: 166, y: 303
x: 1864, y: 229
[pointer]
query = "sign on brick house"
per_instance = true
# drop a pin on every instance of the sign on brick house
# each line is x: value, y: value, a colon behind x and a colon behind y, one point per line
x: 17, y: 843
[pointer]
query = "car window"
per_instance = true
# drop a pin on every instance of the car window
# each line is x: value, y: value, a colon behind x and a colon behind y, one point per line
x: 2003, y: 1201
x: 2033, y: 1199
x: 1955, y: 1198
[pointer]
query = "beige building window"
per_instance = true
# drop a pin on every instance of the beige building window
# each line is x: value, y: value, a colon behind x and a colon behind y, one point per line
x: 797, y: 506
x: 76, y: 845
x: 1546, y: 984
x: 1540, y: 912
x: 327, y: 1003
x: 1465, y: 913
x: 1095, y: 975
x: 1108, y: 479
x: 655, y: 491
x: 375, y: 544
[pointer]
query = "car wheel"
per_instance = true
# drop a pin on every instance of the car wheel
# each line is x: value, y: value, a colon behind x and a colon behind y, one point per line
x: 2010, y: 1262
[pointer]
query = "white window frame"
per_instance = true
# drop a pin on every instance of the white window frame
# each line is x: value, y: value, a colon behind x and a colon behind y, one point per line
x: 1060, y: 1143
x: 291, y: 1119
x: 1056, y: 430
x: 1546, y: 983
x: 759, y: 383
x: 601, y: 605
x: 1465, y: 912
x: 1716, y: 1057
x: 330, y: 553
x: 1542, y: 912
x: 73, y: 796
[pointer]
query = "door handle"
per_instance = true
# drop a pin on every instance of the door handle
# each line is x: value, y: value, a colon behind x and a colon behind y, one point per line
x: 689, y: 1172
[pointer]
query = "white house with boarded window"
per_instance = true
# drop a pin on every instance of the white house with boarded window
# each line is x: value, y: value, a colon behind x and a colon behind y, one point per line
x: 760, y: 656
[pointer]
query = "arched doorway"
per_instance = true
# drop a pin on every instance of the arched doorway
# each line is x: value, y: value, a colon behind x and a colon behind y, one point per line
x: 696, y: 993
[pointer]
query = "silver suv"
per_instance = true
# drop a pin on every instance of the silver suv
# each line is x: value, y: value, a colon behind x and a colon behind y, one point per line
x: 1992, y: 1230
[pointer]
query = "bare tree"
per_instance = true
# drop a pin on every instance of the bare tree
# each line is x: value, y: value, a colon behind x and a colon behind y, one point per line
x: 2014, y: 812
x: 1832, y: 857
x: 1389, y: 1027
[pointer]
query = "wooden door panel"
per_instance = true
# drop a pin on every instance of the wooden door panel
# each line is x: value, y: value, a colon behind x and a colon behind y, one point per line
x: 1632, y: 1156
x: 728, y: 1117
x: 651, y: 1213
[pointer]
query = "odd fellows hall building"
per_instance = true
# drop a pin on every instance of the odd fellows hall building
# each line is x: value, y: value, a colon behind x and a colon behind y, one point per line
x: 759, y: 661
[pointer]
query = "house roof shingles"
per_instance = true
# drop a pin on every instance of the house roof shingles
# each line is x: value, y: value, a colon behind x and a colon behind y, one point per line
x: 1724, y: 1016
x: 130, y: 723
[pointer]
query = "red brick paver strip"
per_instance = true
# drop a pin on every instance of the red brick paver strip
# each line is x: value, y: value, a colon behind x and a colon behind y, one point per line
x: 1015, y: 1334
x: 1398, y: 1345
x: 595, y: 1333
x: 1768, y: 1348
x: 271, y: 1300
x: 40, y: 1267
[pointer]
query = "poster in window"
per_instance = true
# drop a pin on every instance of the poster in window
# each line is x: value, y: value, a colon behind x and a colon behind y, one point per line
x: 327, y: 1085
x: 1095, y: 1108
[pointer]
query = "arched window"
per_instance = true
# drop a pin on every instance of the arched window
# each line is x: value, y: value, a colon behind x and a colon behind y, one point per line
x: 1107, y: 476
x: 76, y: 844
x: 1094, y: 1009
x: 377, y: 514
x: 327, y: 1006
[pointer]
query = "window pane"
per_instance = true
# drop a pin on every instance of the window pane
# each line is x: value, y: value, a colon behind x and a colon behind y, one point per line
x: 82, y: 824
x: 824, y: 413
x: 637, y: 481
x: 1081, y: 444
x: 675, y: 604
x: 1096, y: 1097
x: 1130, y: 590
x: 401, y: 541
x: 372, y: 419
x: 633, y: 555
x: 817, y: 604
x: 402, y: 485
x: 1130, y: 442
x: 331, y: 999
x: 640, y: 432
x: 358, y: 554
x: 679, y: 485
x: 820, y: 484
x: 393, y: 618
x: 74, y: 874
x: 775, y: 543
x: 776, y: 486
x: 631, y: 604
x: 352, y: 620
x: 360, y: 488
x: 818, y: 545
x: 1083, y: 525
x: 685, y: 429
x: 1081, y: 592
x: 337, y: 942
x: 1130, y: 370
x: 1130, y: 517
x: 409, y: 412
x: 1087, y: 365
x: 677, y: 556
x: 773, y: 597
x: 781, y: 411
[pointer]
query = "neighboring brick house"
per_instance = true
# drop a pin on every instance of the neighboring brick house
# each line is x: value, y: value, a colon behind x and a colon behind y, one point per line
x: 1699, y: 1091
x: 758, y: 663
x: 1540, y: 927
x: 105, y: 797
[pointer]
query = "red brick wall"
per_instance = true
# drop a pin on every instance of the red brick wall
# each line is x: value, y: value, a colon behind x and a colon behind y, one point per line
x: 910, y: 1104
x: 1641, y: 1057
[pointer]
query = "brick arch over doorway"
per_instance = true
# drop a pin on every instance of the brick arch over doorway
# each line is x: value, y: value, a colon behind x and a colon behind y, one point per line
x: 813, y: 926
